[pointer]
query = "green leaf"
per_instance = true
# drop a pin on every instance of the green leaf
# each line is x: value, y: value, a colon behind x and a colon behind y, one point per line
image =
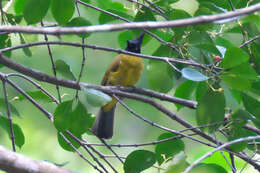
x: 19, y: 6
x: 72, y: 116
x: 208, y: 168
x: 210, y: 48
x: 64, y: 69
x: 139, y: 160
x: 104, y: 4
x: 223, y: 42
x: 13, y: 110
x: 64, y: 144
x: 79, y: 21
x: 18, y: 133
x: 118, y: 6
x: 217, y: 3
x: 194, y: 75
x: 160, y: 76
x: 240, y: 77
x: 178, y: 14
x: 236, y: 134
x: 62, y: 10
x: 202, y: 37
x: 211, y: 109
x: 201, y: 90
x: 240, y: 118
x: 178, y: 164
x: 12, y: 19
x: 94, y: 97
x: 144, y: 15
x: 26, y: 50
x: 234, y: 56
x: 35, y: 10
x: 62, y: 115
x: 36, y: 95
x: 184, y: 91
x: 5, y: 41
x: 168, y: 149
x: 251, y: 105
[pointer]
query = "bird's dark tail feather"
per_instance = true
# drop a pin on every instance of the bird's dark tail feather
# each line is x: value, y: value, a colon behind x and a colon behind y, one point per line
x: 104, y: 124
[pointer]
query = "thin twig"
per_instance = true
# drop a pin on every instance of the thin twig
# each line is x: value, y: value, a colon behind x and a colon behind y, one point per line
x: 79, y: 153
x: 219, y: 148
x: 154, y: 9
x: 94, y: 150
x: 35, y: 84
x: 8, y: 113
x: 249, y: 41
x: 52, y: 63
x: 48, y: 115
x: 142, y: 144
x: 159, y: 126
x: 110, y: 148
x: 128, y: 21
x: 83, y: 54
x: 174, y: 60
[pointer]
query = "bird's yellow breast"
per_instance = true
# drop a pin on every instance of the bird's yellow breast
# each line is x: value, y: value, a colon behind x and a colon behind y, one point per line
x: 129, y: 71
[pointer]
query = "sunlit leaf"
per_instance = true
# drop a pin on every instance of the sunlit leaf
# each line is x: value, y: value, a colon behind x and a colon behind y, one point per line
x: 208, y: 168
x: 94, y: 97
x: 194, y: 75
x: 19, y: 6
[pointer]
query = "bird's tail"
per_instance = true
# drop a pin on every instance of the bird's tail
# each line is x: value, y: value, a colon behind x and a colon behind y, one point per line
x: 104, y: 123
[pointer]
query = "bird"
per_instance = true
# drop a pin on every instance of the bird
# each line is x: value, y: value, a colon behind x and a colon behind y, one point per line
x: 125, y: 70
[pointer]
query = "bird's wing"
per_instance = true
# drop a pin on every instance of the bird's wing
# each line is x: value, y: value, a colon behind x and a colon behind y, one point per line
x: 112, y: 68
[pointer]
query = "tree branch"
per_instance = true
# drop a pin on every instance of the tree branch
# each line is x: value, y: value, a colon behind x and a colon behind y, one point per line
x: 14, y: 162
x: 134, y: 25
x: 107, y: 89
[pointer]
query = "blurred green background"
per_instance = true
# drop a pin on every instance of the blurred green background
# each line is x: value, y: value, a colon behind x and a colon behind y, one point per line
x: 40, y: 134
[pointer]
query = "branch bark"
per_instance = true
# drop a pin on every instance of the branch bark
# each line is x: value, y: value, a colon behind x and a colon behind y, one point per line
x: 107, y: 89
x: 134, y: 25
x: 13, y: 162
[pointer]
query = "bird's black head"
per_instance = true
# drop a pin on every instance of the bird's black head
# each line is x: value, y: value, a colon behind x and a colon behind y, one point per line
x: 135, y: 45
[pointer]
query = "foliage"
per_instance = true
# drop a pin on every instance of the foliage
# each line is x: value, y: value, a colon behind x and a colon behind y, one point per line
x: 212, y: 64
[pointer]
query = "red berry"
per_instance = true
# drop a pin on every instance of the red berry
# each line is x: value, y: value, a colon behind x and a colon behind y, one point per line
x: 218, y: 58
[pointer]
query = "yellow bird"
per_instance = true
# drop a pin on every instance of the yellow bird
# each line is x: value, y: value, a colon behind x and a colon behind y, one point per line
x: 125, y: 70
